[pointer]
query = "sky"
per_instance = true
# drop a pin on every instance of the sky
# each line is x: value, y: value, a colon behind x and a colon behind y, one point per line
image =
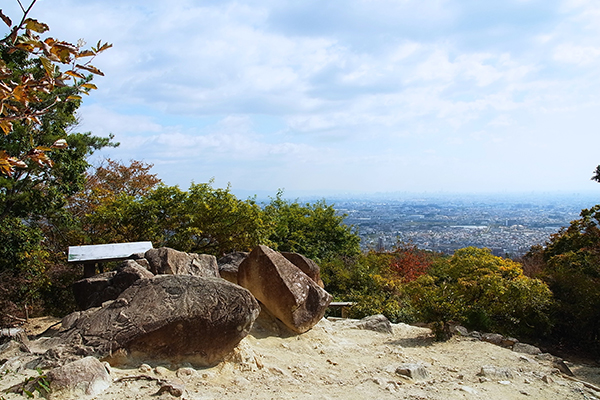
x: 352, y: 96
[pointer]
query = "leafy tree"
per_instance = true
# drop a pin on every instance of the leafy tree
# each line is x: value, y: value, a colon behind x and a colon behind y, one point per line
x: 107, y: 182
x: 33, y: 85
x: 41, y: 162
x: 200, y: 220
x: 572, y: 271
x: 314, y: 230
x: 484, y: 292
x: 408, y: 262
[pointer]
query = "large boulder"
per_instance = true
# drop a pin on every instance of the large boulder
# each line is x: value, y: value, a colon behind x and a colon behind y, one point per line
x: 169, y: 261
x: 93, y: 291
x: 306, y: 265
x: 169, y: 318
x: 287, y: 292
x: 229, y: 264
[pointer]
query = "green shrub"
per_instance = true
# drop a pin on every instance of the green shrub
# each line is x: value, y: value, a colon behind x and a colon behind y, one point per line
x: 483, y: 292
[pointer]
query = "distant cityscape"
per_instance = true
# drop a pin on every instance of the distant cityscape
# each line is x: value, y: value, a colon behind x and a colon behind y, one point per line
x: 508, y: 225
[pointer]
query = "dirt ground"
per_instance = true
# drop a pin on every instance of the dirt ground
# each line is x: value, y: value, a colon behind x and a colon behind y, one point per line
x: 335, y: 360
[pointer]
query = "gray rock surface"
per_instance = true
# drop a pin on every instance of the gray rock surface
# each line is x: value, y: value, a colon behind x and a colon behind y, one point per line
x: 306, y: 265
x: 80, y: 379
x: 416, y: 372
x: 526, y: 348
x: 93, y: 291
x: 229, y: 264
x: 169, y: 261
x: 171, y: 318
x: 377, y: 323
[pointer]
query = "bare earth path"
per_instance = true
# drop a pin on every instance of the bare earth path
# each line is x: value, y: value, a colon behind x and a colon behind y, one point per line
x: 336, y: 361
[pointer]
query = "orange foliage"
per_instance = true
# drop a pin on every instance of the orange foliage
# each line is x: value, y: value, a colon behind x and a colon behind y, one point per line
x: 408, y: 263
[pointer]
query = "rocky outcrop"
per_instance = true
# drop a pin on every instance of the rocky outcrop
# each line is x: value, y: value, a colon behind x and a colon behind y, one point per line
x: 170, y: 318
x: 169, y: 261
x: 229, y: 264
x: 93, y: 291
x: 287, y: 292
x: 306, y: 265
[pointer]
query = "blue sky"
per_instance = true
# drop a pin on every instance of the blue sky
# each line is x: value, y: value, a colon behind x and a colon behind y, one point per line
x: 346, y: 96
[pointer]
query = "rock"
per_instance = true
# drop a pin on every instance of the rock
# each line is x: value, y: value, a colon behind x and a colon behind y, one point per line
x: 287, y: 292
x: 563, y: 367
x: 493, y: 338
x: 526, y: 349
x: 228, y: 265
x: 459, y: 330
x: 416, y: 372
x: 172, y: 262
x: 170, y: 318
x: 468, y: 389
x: 175, y: 389
x: 127, y: 273
x: 377, y: 323
x: 546, y: 357
x: 92, y: 292
x: 492, y: 372
x: 83, y: 378
x: 306, y: 265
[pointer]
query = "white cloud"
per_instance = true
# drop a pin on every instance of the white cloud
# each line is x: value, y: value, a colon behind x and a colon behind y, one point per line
x: 575, y: 54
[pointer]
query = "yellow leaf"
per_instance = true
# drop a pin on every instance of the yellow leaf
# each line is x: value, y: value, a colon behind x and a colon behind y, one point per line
x: 48, y: 66
x: 74, y: 73
x: 6, y: 126
x: 35, y: 25
x: 89, y: 86
x: 74, y: 97
x: 85, y: 53
x: 105, y: 46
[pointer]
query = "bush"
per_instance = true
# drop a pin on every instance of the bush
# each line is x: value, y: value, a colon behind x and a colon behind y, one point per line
x: 483, y: 292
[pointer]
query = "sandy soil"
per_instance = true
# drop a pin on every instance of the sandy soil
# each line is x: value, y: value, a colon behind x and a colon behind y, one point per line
x: 337, y: 361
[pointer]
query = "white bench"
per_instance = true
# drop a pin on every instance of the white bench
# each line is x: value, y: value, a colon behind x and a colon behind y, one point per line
x: 90, y: 255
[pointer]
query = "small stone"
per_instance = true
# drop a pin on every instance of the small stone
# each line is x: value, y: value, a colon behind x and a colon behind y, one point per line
x: 494, y: 338
x: 468, y: 389
x: 186, y: 372
x: 175, y: 389
x: 547, y: 379
x: 526, y: 348
x: 460, y: 330
x: 145, y: 368
x: 492, y: 372
x: 414, y: 371
x: 161, y: 371
x: 504, y: 382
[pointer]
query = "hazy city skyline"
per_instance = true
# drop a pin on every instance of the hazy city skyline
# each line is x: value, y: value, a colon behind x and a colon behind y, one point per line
x: 345, y: 96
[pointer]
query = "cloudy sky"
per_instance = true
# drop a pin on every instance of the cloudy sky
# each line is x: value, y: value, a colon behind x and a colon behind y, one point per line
x: 351, y: 96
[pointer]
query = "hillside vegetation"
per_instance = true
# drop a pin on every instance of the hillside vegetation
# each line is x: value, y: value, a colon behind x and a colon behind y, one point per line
x: 50, y: 199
